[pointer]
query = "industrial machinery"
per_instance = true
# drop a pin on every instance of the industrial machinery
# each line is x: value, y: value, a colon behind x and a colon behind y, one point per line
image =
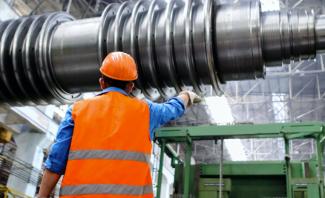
x: 51, y: 58
x: 284, y: 178
x: 5, y: 192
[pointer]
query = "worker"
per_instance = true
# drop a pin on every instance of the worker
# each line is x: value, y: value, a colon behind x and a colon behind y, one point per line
x: 103, y: 144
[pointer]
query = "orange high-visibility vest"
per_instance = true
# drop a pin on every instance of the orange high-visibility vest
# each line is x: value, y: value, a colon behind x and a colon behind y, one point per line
x: 110, y: 149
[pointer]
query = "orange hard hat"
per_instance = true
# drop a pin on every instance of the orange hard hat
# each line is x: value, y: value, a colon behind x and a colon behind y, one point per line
x: 119, y: 66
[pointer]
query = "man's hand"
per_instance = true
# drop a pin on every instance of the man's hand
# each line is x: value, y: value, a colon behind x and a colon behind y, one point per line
x: 48, y: 183
x: 190, y: 98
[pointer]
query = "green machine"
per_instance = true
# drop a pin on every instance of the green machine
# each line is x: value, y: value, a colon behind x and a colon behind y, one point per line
x: 249, y: 179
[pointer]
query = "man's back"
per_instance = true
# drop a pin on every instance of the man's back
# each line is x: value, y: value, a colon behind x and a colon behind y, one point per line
x: 102, y: 155
x: 111, y: 116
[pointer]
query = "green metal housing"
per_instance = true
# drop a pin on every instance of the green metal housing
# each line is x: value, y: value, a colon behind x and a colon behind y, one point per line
x: 252, y: 179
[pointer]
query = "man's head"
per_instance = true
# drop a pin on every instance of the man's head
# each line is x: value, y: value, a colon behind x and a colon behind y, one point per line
x: 118, y: 70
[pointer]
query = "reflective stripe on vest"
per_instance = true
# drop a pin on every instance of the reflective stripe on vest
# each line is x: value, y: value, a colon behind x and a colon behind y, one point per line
x: 109, y: 154
x: 86, y: 189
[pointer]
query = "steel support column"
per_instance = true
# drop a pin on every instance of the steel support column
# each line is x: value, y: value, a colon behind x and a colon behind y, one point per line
x: 161, y: 167
x: 187, y: 168
x: 320, y: 153
x: 288, y: 167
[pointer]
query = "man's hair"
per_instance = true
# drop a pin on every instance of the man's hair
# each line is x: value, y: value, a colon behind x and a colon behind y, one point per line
x: 115, y: 83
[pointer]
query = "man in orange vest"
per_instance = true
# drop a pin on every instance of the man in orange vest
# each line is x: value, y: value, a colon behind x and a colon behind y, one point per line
x: 103, y: 145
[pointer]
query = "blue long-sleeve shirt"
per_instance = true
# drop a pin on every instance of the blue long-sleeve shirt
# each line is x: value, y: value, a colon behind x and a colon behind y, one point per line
x: 160, y: 114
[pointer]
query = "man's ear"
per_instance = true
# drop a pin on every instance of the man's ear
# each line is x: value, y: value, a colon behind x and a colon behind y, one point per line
x: 129, y: 87
x: 102, y: 83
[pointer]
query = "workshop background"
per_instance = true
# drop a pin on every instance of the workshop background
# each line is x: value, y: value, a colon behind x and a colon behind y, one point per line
x: 294, y: 92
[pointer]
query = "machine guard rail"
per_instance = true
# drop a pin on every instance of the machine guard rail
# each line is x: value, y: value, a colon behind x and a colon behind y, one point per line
x: 287, y: 131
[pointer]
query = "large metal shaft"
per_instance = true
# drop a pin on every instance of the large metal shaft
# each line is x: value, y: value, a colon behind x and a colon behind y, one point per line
x: 51, y: 58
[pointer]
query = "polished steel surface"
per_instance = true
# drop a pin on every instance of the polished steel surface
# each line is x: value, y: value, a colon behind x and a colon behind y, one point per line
x: 288, y: 35
x: 27, y: 76
x: 177, y: 45
x: 320, y: 33
x: 238, y: 41
x: 74, y: 54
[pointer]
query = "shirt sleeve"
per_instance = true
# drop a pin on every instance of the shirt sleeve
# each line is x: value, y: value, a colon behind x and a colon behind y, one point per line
x: 58, y: 156
x: 161, y: 113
